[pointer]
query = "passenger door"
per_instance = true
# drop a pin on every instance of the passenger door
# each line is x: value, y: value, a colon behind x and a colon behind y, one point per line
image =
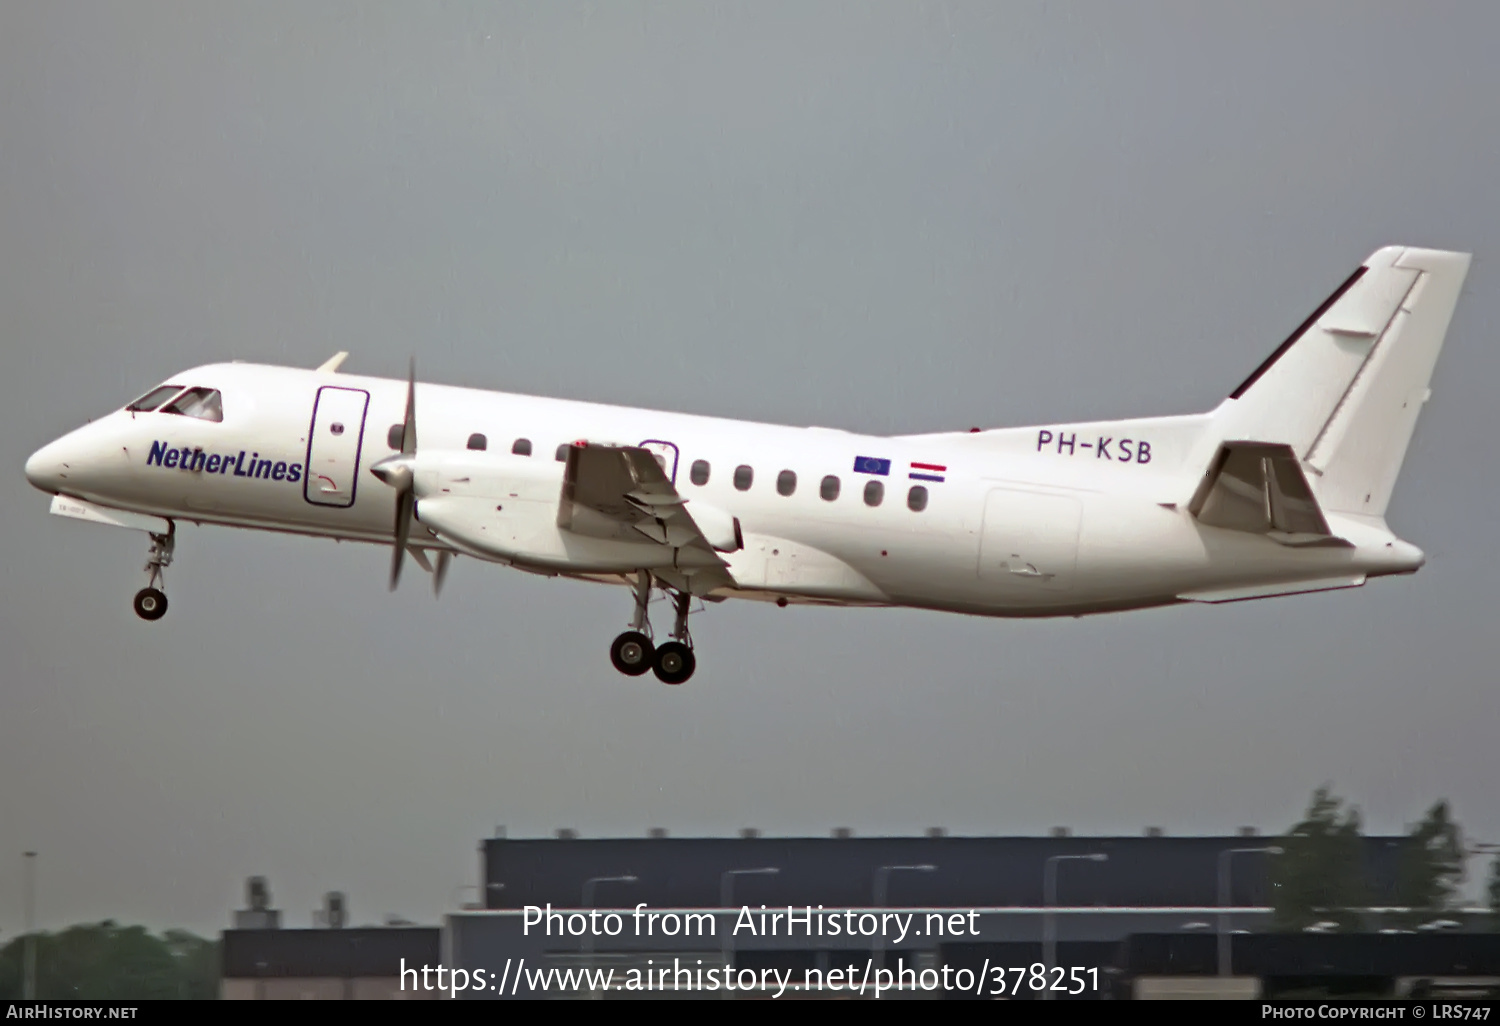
x: 333, y: 446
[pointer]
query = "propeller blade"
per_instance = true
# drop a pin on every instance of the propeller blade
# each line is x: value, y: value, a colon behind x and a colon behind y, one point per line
x: 405, y: 503
x: 398, y: 473
x: 409, y: 430
x: 444, y: 558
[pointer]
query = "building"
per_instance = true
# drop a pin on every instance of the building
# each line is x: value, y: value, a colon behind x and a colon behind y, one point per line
x: 1062, y: 899
x: 1129, y: 917
x: 262, y: 961
x: 326, y: 964
x: 1148, y: 871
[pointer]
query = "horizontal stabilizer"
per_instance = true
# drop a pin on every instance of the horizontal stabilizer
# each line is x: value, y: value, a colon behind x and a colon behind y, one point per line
x: 1259, y: 488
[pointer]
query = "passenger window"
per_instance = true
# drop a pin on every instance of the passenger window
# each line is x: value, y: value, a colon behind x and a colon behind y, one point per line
x: 562, y: 453
x: 916, y: 499
x: 478, y: 442
x: 154, y: 398
x: 786, y: 482
x: 699, y: 474
x: 743, y: 477
x: 522, y: 447
x: 829, y: 489
x: 874, y: 493
x: 394, y: 435
x: 200, y: 403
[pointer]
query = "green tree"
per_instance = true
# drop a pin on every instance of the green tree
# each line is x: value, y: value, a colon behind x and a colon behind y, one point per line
x: 1431, y: 866
x: 1320, y: 877
x: 197, y: 964
x: 106, y: 961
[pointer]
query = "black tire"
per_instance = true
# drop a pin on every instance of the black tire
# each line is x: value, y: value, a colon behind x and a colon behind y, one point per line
x: 632, y: 653
x: 150, y: 604
x: 674, y: 663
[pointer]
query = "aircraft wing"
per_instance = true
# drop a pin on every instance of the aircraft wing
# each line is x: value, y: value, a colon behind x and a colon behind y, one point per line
x: 1259, y: 488
x: 622, y: 492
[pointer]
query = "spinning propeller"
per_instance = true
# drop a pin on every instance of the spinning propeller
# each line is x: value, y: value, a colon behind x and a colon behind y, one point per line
x: 399, y: 472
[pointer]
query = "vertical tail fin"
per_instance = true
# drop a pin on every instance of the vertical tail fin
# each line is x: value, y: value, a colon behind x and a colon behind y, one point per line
x: 1345, y: 390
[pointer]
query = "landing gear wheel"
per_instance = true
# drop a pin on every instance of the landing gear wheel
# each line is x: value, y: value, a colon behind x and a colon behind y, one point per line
x: 674, y: 663
x: 632, y: 653
x: 150, y: 604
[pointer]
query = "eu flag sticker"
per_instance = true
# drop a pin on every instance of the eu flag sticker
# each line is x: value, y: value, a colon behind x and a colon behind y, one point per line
x: 871, y: 465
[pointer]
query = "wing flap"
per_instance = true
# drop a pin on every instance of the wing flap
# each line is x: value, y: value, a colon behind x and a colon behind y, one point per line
x: 613, y: 491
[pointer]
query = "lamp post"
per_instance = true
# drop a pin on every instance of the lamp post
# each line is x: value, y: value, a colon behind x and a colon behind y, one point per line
x: 1226, y: 896
x: 1049, y: 899
x: 882, y: 883
x: 726, y: 890
x: 589, y: 886
x: 28, y: 985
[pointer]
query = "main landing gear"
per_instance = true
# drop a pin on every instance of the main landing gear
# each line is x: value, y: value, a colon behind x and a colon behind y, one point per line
x: 633, y: 652
x: 151, y: 601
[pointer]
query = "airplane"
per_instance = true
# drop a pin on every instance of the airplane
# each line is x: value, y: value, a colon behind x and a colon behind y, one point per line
x: 1281, y: 489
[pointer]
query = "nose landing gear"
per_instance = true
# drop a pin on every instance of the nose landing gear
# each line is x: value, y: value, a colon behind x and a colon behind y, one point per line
x: 151, y: 601
x: 633, y: 652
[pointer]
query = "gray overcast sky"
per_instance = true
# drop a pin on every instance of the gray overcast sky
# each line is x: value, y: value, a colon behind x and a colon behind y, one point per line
x: 887, y: 217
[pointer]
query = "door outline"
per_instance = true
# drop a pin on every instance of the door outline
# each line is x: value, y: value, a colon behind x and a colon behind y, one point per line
x: 1057, y: 549
x: 359, y: 444
x: 676, y: 456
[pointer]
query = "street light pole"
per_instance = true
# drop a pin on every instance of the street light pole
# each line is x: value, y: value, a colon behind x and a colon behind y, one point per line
x: 589, y: 886
x: 1226, y: 897
x: 28, y: 986
x: 726, y: 890
x: 882, y: 883
x: 1049, y: 899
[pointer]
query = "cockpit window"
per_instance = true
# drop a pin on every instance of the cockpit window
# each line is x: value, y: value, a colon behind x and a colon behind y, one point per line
x: 202, y: 403
x: 154, y: 398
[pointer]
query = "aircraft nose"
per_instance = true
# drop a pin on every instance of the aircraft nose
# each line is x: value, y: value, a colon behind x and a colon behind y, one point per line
x: 47, y: 469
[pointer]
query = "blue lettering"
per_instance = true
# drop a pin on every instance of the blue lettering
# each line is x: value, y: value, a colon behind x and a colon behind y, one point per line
x: 197, y: 459
x: 1125, y: 453
x: 1104, y: 449
x: 1068, y: 441
x: 1143, y: 452
x: 1042, y: 438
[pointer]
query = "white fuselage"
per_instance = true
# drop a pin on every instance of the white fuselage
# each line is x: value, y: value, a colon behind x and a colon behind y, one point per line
x: 1040, y: 521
